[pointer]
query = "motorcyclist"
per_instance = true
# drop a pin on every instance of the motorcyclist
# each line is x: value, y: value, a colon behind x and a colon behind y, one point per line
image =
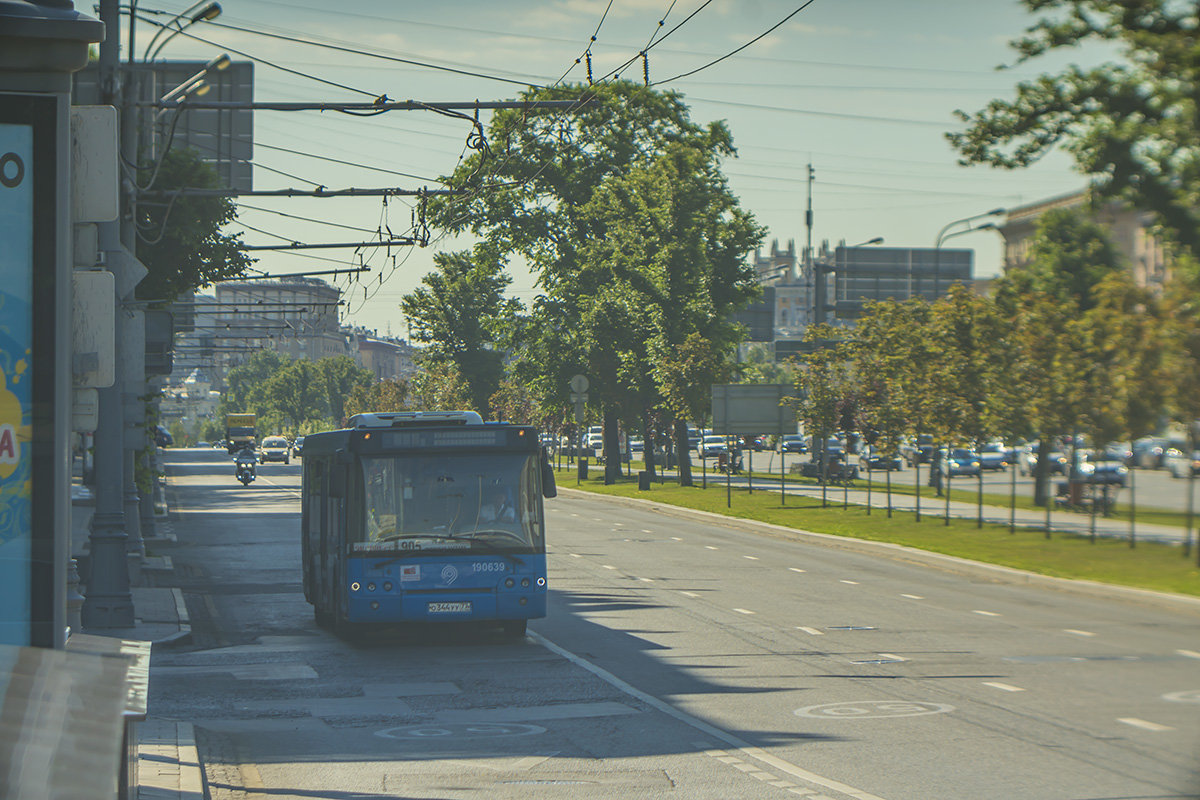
x: 245, y: 460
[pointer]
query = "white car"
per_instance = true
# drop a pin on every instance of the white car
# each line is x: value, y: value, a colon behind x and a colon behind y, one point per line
x: 712, y: 445
x: 993, y: 457
x: 1179, y: 465
x: 275, y: 448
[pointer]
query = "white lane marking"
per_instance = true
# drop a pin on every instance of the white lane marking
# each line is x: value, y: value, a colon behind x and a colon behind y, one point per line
x: 673, y: 538
x: 710, y: 547
x: 1188, y: 653
x: 796, y: 569
x: 752, y: 558
x: 1004, y: 687
x: 573, y: 514
x: 1078, y: 633
x: 913, y: 596
x: 606, y: 566
x: 748, y: 750
x: 575, y: 555
x: 743, y: 611
x: 852, y: 583
x: 646, y: 580
x: 893, y: 657
x: 811, y: 631
x: 1144, y: 725
x: 689, y: 594
x: 985, y: 613
x: 646, y: 531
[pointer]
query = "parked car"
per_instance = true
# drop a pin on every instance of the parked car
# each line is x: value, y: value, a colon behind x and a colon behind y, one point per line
x: 918, y: 452
x: 959, y: 461
x: 793, y: 443
x: 713, y: 445
x: 872, y: 460
x: 1119, y: 451
x: 1102, y: 469
x: 1148, y: 452
x: 833, y: 448
x: 275, y: 448
x: 993, y: 457
x: 637, y: 446
x: 757, y: 443
x: 1057, y: 461
x: 298, y: 447
x: 594, y: 439
x: 203, y: 444
x: 693, y: 437
x: 1179, y: 464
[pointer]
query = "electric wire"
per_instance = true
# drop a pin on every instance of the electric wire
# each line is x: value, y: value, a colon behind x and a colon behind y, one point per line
x: 765, y: 33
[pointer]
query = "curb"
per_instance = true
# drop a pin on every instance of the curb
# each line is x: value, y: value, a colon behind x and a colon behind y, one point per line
x: 897, y: 552
x: 184, y: 635
x: 168, y: 763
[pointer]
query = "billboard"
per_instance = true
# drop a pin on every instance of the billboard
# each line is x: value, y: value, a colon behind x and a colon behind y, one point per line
x: 27, y: 281
x: 746, y: 409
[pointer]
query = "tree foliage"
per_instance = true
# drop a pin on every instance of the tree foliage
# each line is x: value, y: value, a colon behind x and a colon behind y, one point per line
x: 1131, y: 125
x: 461, y: 313
x: 180, y: 239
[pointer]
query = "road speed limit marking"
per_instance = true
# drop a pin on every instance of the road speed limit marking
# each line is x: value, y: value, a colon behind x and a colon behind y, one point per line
x: 455, y: 731
x: 873, y: 709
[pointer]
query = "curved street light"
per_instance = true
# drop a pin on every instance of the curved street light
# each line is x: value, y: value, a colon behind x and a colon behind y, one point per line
x: 987, y: 226
x: 197, y: 12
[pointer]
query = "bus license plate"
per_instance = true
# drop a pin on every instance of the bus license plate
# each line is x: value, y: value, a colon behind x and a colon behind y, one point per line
x: 450, y: 608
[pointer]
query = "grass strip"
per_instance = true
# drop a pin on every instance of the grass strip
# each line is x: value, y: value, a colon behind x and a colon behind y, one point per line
x: 1150, y: 565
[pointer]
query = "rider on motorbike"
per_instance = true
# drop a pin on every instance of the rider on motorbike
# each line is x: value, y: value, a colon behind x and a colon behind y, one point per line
x: 245, y: 460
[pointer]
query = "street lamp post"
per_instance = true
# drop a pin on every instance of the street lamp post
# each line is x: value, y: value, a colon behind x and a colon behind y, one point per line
x: 943, y: 235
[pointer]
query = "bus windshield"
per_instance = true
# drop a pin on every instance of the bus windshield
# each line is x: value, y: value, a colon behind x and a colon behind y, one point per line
x: 449, y: 501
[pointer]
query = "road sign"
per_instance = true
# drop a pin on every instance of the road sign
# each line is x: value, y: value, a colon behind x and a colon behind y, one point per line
x: 579, y: 385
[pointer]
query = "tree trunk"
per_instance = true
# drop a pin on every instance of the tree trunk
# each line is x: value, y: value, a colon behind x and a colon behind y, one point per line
x: 612, y: 447
x: 649, y: 437
x: 683, y: 453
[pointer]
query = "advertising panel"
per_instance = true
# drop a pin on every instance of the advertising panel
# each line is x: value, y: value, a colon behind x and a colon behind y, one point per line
x: 16, y: 384
x: 27, y: 283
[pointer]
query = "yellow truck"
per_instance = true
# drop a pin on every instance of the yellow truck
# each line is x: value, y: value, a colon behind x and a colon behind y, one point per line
x: 239, y: 431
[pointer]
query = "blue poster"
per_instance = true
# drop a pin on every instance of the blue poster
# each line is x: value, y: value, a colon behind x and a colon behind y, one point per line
x: 16, y: 390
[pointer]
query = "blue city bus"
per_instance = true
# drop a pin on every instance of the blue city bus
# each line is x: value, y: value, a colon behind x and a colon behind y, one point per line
x: 425, y: 517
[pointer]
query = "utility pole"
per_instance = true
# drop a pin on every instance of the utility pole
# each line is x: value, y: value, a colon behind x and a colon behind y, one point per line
x: 109, y: 602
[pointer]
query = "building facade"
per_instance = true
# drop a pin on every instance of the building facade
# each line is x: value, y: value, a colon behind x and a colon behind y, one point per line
x: 1131, y: 231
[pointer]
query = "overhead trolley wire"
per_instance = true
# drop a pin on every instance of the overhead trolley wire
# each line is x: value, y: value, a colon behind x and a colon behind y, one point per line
x: 739, y: 49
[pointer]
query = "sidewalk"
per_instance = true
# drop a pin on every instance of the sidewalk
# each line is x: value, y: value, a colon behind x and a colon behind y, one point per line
x: 166, y: 765
x: 1061, y: 521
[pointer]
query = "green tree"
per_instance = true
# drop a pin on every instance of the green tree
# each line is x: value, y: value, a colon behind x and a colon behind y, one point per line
x: 384, y: 396
x: 180, y: 239
x: 438, y: 386
x: 245, y: 384
x: 339, y: 377
x: 1068, y: 258
x: 619, y: 208
x: 1131, y: 125
x: 297, y: 394
x: 685, y: 374
x: 461, y: 313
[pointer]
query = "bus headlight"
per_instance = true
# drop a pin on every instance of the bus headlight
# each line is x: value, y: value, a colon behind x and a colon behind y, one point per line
x: 387, y: 586
x: 509, y: 583
x: 354, y: 587
x: 370, y: 587
x: 541, y: 582
x: 525, y: 583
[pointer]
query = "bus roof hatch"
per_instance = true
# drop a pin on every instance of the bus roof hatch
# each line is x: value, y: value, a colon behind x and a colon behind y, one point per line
x: 404, y: 419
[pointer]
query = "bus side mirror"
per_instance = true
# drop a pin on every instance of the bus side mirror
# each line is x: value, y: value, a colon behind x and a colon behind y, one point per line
x: 549, y: 488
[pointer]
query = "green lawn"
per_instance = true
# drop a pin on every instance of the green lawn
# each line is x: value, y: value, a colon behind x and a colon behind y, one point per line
x: 1149, y: 565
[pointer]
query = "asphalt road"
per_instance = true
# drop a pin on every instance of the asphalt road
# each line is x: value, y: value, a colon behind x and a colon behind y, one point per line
x: 680, y: 659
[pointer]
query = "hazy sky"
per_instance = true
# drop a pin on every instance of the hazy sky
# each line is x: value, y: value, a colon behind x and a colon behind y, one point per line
x: 863, y: 90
